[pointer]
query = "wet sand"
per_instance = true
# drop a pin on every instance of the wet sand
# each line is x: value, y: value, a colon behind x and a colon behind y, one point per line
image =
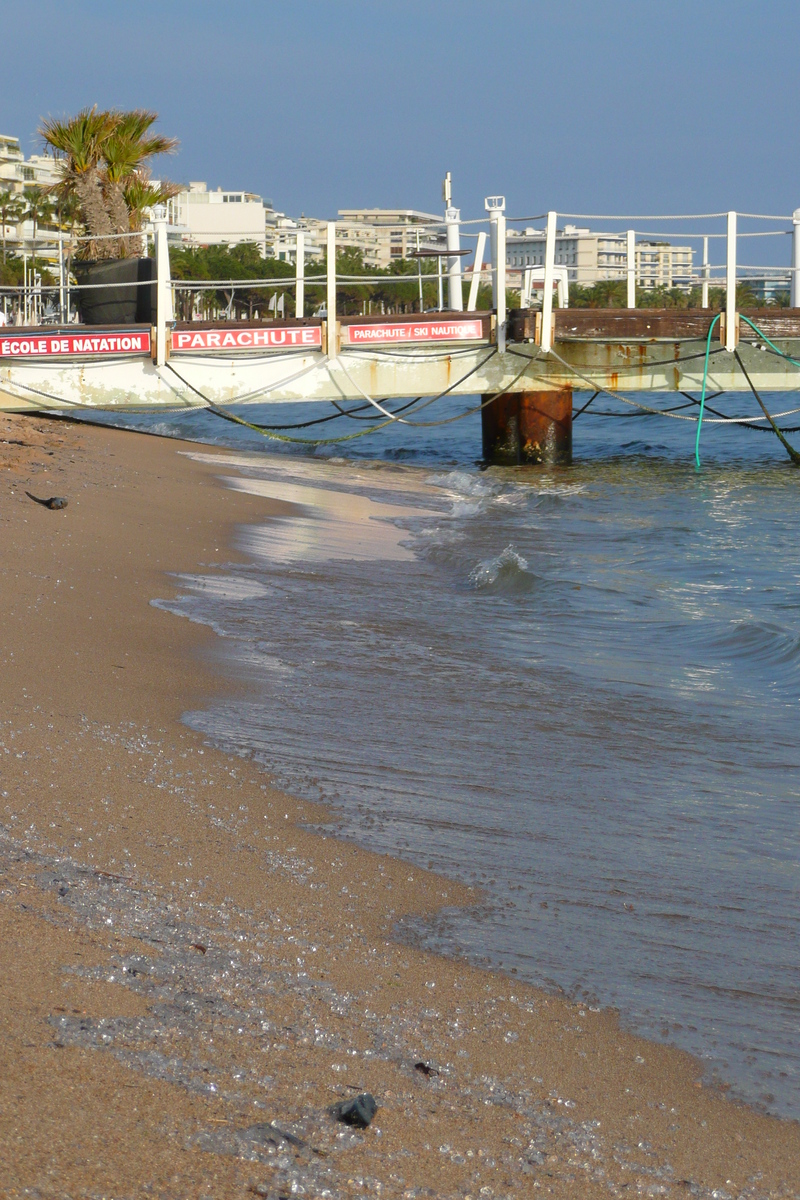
x: 188, y: 972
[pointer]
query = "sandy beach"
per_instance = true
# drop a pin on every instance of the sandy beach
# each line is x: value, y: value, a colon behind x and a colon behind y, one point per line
x: 194, y: 969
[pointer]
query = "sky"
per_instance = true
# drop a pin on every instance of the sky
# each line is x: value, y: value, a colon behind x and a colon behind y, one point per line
x: 611, y: 106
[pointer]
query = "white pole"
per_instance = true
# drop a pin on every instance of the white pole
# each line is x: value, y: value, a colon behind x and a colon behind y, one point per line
x: 60, y: 276
x: 455, y: 295
x: 300, y: 274
x: 547, y: 298
x: 706, y: 275
x: 419, y: 274
x: 330, y: 306
x: 730, y: 285
x: 631, y: 255
x: 795, y: 286
x: 477, y: 268
x: 163, y: 296
x: 495, y: 206
x: 527, y: 288
x: 439, y: 277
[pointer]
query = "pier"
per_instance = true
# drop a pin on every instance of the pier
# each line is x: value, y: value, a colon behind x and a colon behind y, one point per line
x: 525, y: 363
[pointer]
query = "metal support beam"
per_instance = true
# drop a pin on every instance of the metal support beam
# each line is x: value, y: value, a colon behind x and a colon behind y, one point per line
x: 528, y: 427
x: 730, y: 286
x: 547, y: 298
x: 706, y: 275
x: 300, y: 274
x: 631, y: 264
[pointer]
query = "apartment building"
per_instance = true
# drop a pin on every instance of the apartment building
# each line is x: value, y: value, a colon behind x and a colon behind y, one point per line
x: 592, y: 257
x: 18, y: 172
x: 198, y: 217
x: 381, y: 235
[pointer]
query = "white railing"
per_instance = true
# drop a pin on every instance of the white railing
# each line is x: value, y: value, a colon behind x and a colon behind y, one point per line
x: 35, y: 301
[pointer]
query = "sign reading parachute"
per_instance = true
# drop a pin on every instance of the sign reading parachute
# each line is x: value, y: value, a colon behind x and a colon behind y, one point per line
x: 301, y: 337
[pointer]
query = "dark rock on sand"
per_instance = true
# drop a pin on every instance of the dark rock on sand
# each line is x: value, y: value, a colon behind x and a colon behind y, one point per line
x: 359, y: 1111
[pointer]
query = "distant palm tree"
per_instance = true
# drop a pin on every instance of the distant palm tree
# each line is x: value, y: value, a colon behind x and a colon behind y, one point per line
x: 38, y: 210
x: 10, y: 212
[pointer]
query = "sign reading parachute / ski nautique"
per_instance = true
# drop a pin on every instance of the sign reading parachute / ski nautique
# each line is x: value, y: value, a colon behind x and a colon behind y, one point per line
x: 56, y: 345
x: 300, y: 337
x: 445, y: 330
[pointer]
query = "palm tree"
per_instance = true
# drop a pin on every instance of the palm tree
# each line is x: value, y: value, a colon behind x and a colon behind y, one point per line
x: 126, y: 154
x: 103, y: 153
x: 39, y: 210
x: 10, y: 212
x: 78, y: 143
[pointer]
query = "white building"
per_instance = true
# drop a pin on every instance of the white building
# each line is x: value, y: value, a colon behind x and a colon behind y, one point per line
x: 594, y: 257
x: 382, y: 235
x: 199, y: 217
x: 18, y: 172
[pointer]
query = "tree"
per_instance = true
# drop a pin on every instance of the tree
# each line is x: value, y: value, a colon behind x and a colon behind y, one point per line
x: 127, y: 185
x: 105, y: 160
x: 38, y: 210
x: 10, y: 212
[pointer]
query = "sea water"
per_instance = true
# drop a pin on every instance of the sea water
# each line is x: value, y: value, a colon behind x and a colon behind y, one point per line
x: 578, y: 688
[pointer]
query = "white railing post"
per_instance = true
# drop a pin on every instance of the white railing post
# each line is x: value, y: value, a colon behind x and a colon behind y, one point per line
x: 547, y: 298
x: 477, y: 270
x: 795, y: 283
x: 706, y: 276
x: 495, y: 206
x: 163, y: 293
x: 730, y: 285
x: 60, y: 276
x: 330, y: 304
x: 300, y: 274
x: 631, y: 265
x: 455, y: 295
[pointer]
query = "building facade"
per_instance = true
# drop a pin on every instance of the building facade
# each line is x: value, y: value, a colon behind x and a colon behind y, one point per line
x: 381, y: 235
x: 592, y: 257
x: 198, y: 217
x: 18, y: 172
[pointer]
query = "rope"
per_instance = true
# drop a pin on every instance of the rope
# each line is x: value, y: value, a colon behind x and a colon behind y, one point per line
x: 703, y: 393
x: 268, y: 432
x: 658, y: 412
x: 767, y: 342
x: 585, y: 406
x: 790, y: 450
x: 277, y: 437
x: 432, y: 400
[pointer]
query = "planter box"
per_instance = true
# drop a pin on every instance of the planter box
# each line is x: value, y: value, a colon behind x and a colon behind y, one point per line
x: 113, y: 304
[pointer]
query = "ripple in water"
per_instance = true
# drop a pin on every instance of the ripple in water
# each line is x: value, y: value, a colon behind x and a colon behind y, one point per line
x: 578, y: 688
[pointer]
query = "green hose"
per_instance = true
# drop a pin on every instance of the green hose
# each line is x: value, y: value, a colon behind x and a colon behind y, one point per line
x: 767, y: 342
x: 703, y: 393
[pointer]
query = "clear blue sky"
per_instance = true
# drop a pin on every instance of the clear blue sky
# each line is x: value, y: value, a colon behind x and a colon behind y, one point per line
x: 621, y: 106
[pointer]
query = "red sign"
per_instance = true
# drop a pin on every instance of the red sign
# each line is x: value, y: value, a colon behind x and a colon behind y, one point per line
x: 413, y: 331
x: 57, y: 345
x: 301, y: 336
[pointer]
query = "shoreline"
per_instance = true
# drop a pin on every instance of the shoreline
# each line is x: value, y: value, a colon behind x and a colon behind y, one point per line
x: 141, y: 870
